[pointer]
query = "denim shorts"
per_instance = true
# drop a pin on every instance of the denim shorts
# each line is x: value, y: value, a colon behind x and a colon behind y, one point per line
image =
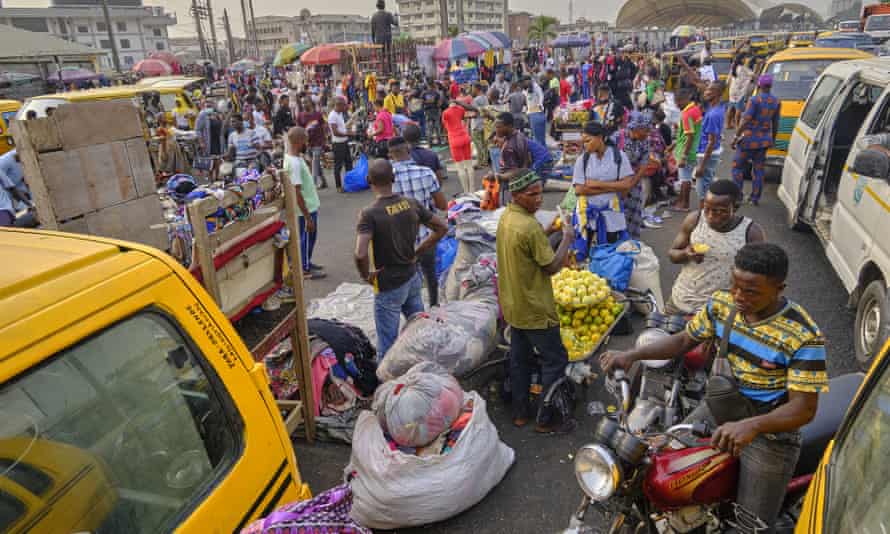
x: 742, y: 104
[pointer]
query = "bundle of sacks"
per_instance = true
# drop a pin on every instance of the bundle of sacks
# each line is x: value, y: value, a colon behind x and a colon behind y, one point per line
x: 426, y: 453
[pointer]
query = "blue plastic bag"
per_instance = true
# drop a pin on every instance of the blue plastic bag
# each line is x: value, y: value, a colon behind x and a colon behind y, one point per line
x: 613, y: 265
x: 446, y: 251
x: 357, y: 179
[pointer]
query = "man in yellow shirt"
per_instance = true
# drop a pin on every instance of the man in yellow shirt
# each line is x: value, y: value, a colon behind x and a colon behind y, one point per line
x: 394, y: 101
x: 371, y: 88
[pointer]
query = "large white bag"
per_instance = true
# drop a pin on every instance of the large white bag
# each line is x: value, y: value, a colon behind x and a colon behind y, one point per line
x: 393, y: 489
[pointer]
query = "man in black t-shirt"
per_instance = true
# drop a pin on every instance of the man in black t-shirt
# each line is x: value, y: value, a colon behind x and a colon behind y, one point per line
x: 389, y: 227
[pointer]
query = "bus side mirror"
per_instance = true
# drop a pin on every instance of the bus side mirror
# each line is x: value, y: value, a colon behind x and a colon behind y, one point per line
x: 873, y: 163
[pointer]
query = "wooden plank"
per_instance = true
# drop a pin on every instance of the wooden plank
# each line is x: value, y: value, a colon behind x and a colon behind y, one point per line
x: 300, y: 332
x: 232, y: 231
x: 273, y: 338
x: 66, y: 184
x: 94, y: 123
x: 34, y: 176
x: 249, y: 257
x: 131, y: 221
x: 293, y: 417
x: 140, y: 166
x: 203, y: 250
x: 237, y: 292
x: 44, y: 134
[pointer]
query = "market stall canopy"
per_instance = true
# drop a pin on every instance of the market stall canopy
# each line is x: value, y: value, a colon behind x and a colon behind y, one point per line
x: 167, y: 58
x: 457, y: 48
x: 289, y: 53
x: 153, y: 67
x: 490, y: 40
x: 18, y: 45
x: 572, y: 40
x: 244, y: 65
x: 16, y: 78
x: 73, y: 75
x: 500, y: 37
x: 321, y: 55
x: 701, y: 13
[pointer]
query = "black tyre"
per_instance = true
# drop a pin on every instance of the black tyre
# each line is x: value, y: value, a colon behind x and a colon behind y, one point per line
x: 871, y: 328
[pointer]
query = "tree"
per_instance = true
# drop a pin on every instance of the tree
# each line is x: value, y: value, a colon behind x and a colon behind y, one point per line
x: 541, y: 29
x: 453, y: 31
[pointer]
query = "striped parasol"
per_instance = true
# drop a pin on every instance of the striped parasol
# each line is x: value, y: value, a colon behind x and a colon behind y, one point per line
x: 457, y: 48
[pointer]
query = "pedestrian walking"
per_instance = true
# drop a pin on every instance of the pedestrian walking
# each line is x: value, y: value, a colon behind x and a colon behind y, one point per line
x: 710, y: 146
x: 756, y: 134
x: 313, y: 122
x: 307, y: 199
x: 339, y: 141
x: 389, y: 227
x: 459, y: 142
x: 686, y: 147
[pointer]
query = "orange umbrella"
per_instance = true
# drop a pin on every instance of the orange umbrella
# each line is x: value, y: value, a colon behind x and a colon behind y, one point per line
x: 153, y: 67
x: 167, y: 58
x: 321, y: 55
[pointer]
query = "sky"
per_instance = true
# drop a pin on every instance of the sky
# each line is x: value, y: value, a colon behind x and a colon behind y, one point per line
x: 591, y: 10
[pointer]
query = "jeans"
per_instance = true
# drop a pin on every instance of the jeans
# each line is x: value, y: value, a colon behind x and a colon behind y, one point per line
x: 494, y: 153
x: 481, y: 148
x: 538, y: 124
x: 554, y: 359
x: 307, y: 241
x: 317, y: 173
x: 434, y: 123
x: 389, y: 305
x: 420, y: 118
x: 710, y: 170
x: 342, y: 159
x: 427, y: 263
x: 767, y: 465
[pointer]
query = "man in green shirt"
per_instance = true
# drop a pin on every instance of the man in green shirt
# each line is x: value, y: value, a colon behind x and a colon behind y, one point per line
x: 526, y: 262
x: 686, y: 148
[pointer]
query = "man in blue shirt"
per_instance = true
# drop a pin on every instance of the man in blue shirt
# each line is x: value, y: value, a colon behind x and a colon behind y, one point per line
x: 756, y: 133
x: 13, y: 191
x: 586, y: 70
x: 710, y: 148
x: 416, y: 181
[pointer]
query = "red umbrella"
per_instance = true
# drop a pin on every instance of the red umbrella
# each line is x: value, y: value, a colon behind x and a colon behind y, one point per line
x: 321, y: 55
x: 167, y: 58
x: 153, y: 67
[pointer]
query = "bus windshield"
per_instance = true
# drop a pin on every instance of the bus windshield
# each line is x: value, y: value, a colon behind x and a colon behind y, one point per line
x: 792, y: 80
x: 877, y: 22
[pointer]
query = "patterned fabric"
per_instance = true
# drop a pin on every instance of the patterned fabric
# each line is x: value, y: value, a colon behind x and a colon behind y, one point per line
x: 689, y: 133
x: 416, y: 182
x: 762, y: 109
x: 757, y: 158
x: 326, y: 513
x: 637, y: 152
x: 784, y: 352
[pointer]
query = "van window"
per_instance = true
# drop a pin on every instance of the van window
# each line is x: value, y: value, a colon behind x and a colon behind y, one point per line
x: 819, y: 100
x: 129, y: 419
x: 860, y: 461
x: 168, y: 100
x: 11, y: 510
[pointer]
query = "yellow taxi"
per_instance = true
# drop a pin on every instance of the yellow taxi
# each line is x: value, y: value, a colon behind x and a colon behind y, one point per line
x: 8, y: 110
x: 794, y: 72
x: 762, y: 44
x: 802, y: 39
x: 128, y: 401
x: 850, y: 483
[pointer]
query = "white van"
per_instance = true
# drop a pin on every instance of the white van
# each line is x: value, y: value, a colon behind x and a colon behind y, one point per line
x: 849, y: 212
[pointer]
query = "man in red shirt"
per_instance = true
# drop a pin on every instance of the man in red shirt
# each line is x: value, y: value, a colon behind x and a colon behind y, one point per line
x: 454, y: 90
x: 565, y: 88
x: 314, y: 124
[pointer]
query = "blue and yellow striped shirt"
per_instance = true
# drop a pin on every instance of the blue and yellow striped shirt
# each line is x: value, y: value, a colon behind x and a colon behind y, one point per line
x: 781, y: 353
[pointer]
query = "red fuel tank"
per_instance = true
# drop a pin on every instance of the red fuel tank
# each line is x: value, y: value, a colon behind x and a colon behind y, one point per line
x: 697, y: 475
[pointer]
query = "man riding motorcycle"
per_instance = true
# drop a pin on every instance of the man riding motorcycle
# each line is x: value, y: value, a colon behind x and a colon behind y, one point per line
x: 706, y: 245
x: 777, y: 358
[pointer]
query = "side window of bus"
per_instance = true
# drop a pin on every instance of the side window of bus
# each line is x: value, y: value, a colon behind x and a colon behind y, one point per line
x: 819, y: 100
x: 123, y: 432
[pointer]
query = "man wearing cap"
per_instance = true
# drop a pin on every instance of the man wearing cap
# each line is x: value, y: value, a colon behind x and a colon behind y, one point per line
x: 756, y: 134
x: 526, y: 262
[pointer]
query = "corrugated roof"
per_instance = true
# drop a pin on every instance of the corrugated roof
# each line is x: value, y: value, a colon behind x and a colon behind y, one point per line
x: 16, y: 44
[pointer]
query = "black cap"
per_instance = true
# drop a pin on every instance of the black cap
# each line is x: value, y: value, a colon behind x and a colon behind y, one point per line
x: 594, y: 128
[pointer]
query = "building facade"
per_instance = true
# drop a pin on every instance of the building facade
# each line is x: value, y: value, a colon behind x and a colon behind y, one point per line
x: 518, y: 23
x: 420, y: 18
x: 846, y: 8
x: 274, y: 32
x: 138, y: 30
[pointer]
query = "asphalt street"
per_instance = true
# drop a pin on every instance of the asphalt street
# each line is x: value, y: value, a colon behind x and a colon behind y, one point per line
x: 539, y: 492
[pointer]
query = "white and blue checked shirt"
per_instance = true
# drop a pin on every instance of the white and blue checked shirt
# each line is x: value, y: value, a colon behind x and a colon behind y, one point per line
x: 419, y: 183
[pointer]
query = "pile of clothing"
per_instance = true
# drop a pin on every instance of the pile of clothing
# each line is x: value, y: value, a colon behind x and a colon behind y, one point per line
x: 445, y: 442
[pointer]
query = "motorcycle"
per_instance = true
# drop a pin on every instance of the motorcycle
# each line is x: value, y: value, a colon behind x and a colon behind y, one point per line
x: 674, y: 482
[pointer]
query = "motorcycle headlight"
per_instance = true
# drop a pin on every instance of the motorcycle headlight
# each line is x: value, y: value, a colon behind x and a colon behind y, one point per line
x: 598, y: 472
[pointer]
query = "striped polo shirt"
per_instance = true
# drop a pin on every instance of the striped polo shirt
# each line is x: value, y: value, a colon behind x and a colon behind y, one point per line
x: 785, y: 352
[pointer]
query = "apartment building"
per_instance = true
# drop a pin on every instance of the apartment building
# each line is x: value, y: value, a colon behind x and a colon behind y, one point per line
x: 273, y: 32
x: 420, y: 18
x: 139, y: 30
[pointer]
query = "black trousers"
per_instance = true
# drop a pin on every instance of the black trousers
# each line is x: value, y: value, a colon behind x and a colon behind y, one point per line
x: 427, y: 262
x: 342, y: 159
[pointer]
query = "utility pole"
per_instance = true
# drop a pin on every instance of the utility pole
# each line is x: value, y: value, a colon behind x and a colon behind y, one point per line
x: 443, y: 18
x: 215, y: 52
x: 256, y: 41
x: 116, y: 60
x: 196, y: 13
x: 246, y: 29
x: 506, y: 18
x: 228, y: 28
x: 571, y: 14
x: 460, y: 16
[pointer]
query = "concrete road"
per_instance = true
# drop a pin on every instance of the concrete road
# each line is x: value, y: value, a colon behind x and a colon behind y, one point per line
x: 539, y: 492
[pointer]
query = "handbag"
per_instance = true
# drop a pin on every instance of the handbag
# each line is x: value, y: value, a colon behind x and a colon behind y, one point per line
x: 722, y: 396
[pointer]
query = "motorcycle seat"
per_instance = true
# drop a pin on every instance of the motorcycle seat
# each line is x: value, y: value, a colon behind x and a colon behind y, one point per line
x: 832, y: 407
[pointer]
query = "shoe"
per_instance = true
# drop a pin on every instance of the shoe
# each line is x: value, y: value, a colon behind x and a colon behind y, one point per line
x: 285, y: 294
x: 324, y: 185
x: 520, y: 422
x: 314, y: 275
x: 313, y: 267
x: 652, y: 225
x: 340, y: 190
x: 565, y: 427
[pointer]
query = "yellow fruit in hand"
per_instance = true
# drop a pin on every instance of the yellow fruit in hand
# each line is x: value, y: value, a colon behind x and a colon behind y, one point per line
x: 701, y: 248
